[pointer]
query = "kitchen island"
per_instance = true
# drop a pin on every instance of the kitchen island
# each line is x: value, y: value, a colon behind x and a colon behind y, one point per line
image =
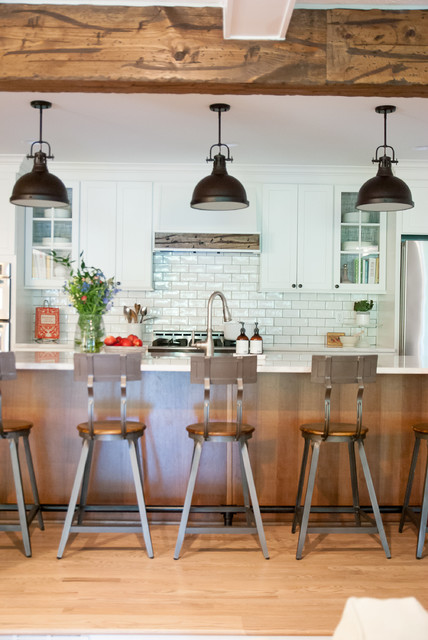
x: 282, y: 399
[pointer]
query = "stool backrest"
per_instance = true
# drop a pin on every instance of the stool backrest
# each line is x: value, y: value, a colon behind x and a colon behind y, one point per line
x: 7, y: 372
x: 334, y: 370
x: 106, y: 367
x: 223, y: 370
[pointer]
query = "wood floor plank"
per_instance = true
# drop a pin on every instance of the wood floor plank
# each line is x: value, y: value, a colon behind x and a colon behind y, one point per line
x: 221, y: 585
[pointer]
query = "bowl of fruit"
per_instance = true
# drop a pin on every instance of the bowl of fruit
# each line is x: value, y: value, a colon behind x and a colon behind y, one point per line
x: 119, y: 344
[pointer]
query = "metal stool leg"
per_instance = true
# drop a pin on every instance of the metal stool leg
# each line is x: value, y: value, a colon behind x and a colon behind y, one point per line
x: 409, y: 482
x: 17, y: 477
x: 138, y: 481
x: 308, y: 498
x: 373, y: 498
x: 424, y: 514
x: 33, y: 483
x: 73, y: 499
x: 85, y: 483
x: 249, y: 516
x: 300, y: 487
x: 354, y: 482
x: 252, y: 489
x: 197, y: 450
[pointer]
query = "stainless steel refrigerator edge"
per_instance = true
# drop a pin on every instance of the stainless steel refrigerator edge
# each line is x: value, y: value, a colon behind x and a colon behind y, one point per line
x: 414, y: 298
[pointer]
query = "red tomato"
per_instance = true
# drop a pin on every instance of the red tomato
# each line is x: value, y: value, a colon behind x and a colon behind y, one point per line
x: 132, y: 337
x: 109, y: 340
x: 137, y: 342
x: 125, y: 343
x: 118, y: 340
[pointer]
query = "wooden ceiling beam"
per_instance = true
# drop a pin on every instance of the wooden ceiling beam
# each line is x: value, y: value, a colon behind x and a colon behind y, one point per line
x: 52, y: 48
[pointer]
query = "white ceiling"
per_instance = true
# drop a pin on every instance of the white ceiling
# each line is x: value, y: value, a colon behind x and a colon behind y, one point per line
x: 160, y: 128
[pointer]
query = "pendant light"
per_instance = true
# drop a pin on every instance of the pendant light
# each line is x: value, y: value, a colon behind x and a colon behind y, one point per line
x: 219, y: 191
x: 384, y: 192
x: 39, y: 188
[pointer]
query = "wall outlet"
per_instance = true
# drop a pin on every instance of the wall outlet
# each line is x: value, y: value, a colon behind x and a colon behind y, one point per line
x: 339, y: 317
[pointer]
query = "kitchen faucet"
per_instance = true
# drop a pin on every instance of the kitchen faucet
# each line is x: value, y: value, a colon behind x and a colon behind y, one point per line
x: 208, y: 344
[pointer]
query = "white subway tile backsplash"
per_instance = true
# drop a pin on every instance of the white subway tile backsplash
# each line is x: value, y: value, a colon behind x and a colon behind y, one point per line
x: 183, y: 282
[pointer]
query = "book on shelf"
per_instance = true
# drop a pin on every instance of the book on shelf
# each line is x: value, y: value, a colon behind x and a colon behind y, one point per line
x: 42, y: 265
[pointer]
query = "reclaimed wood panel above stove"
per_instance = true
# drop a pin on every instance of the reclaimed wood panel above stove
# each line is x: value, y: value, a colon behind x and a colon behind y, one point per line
x: 207, y: 241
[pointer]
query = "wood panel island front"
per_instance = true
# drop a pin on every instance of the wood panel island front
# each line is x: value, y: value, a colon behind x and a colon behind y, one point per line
x: 281, y: 400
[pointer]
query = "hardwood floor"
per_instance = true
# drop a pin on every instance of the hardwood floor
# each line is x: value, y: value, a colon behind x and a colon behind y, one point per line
x: 221, y: 585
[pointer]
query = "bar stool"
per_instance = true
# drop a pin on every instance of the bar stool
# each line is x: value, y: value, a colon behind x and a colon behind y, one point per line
x: 94, y: 368
x: 421, y: 433
x: 223, y: 370
x: 13, y: 430
x: 331, y: 371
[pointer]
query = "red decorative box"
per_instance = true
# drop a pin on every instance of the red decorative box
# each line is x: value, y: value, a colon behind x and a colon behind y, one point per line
x: 47, y: 323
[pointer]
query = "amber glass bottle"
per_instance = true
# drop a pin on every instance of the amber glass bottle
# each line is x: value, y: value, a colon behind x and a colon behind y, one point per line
x: 242, y: 342
x: 256, y: 342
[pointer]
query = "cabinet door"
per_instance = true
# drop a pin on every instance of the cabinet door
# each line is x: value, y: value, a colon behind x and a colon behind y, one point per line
x: 134, y: 235
x: 116, y: 231
x: 173, y: 213
x: 415, y: 221
x: 47, y: 230
x: 315, y: 238
x: 360, y: 246
x: 98, y: 225
x: 278, y: 260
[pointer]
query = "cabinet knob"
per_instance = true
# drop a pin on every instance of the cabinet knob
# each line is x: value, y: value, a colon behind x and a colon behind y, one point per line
x: 293, y: 286
x: 336, y: 286
x: 300, y: 286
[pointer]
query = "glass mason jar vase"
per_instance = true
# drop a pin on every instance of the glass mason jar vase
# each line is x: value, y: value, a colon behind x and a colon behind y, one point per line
x: 90, y: 333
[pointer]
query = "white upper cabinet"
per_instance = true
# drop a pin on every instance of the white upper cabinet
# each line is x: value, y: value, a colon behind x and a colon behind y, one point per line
x: 297, y: 238
x: 48, y: 230
x: 360, y: 245
x: 415, y: 221
x: 116, y: 230
x: 173, y: 213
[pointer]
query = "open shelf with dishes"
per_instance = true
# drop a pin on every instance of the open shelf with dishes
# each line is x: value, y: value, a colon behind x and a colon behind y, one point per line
x: 361, y: 246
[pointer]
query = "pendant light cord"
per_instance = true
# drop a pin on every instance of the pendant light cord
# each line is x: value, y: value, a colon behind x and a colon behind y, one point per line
x: 219, y: 129
x: 384, y: 132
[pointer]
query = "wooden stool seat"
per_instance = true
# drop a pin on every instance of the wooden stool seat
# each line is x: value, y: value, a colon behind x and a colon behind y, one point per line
x: 336, y: 430
x: 12, y: 426
x: 111, y: 428
x: 421, y: 429
x: 331, y: 371
x: 421, y: 433
x: 106, y: 368
x: 219, y: 429
x: 15, y: 430
x: 233, y: 371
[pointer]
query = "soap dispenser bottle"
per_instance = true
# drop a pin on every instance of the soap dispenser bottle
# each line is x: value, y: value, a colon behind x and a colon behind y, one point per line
x: 256, y: 342
x: 242, y: 342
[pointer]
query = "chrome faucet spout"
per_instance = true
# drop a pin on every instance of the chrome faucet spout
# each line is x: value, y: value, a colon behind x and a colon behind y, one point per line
x: 208, y: 344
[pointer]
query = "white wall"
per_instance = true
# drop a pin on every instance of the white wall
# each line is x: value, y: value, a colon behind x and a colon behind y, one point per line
x: 183, y: 282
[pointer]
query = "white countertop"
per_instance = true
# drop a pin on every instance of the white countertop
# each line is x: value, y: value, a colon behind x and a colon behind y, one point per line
x: 287, y: 361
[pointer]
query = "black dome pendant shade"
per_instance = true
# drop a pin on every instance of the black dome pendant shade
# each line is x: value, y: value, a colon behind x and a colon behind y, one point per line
x: 219, y: 191
x: 39, y: 188
x: 384, y: 192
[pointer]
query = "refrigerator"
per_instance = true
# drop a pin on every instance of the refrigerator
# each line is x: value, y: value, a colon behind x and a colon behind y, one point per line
x: 4, y: 306
x: 414, y: 298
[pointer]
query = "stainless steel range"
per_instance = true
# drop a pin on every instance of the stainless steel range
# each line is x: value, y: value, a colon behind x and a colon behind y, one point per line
x: 167, y: 342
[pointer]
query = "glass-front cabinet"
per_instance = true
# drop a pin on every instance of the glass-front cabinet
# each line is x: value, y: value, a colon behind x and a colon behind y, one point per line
x: 47, y: 230
x: 360, y: 246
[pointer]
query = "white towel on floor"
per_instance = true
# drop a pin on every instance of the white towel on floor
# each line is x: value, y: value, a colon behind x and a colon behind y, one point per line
x: 375, y: 619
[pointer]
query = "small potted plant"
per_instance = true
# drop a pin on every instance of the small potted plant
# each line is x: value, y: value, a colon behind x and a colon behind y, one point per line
x: 362, y: 311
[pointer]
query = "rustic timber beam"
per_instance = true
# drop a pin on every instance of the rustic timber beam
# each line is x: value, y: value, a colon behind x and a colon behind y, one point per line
x: 53, y: 48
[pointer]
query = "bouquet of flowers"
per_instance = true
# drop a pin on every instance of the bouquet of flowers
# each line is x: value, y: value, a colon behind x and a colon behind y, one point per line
x: 89, y: 291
